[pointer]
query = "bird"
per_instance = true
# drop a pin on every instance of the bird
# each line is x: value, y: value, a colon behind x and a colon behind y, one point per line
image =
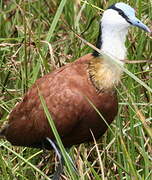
x: 68, y: 90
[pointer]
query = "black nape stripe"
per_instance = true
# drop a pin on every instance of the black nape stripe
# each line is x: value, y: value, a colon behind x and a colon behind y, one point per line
x: 99, y: 42
x: 120, y: 13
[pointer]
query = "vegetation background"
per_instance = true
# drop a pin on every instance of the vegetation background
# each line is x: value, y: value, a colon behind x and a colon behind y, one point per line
x: 36, y: 36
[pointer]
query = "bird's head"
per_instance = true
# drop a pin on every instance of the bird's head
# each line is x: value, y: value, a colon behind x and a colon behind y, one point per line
x: 120, y: 16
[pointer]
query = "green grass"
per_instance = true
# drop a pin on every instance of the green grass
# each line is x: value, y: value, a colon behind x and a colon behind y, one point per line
x: 25, y: 55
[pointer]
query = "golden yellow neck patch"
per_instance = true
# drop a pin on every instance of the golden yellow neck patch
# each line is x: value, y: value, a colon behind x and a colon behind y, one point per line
x: 104, y: 74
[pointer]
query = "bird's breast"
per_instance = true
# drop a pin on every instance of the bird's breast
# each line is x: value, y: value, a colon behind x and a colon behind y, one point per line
x: 104, y: 74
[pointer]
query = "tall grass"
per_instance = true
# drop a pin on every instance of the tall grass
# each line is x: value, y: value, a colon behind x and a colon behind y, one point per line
x: 25, y: 55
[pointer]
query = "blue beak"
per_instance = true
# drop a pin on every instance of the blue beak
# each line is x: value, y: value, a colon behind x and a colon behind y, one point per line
x: 136, y: 22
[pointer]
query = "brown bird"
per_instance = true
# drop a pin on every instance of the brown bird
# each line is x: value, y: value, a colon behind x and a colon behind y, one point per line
x: 66, y: 91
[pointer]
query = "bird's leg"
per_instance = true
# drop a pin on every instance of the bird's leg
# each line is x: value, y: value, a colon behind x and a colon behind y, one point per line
x: 59, y: 169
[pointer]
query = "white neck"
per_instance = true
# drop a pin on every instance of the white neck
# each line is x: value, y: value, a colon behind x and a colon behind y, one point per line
x: 113, y: 42
x: 114, y: 30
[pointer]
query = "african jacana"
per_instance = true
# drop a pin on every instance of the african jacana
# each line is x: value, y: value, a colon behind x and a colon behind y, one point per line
x: 65, y: 91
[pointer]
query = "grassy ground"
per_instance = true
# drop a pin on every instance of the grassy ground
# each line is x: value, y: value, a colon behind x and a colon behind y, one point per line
x: 26, y: 27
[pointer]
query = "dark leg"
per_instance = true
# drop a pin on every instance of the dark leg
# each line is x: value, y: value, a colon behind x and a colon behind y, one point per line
x: 59, y: 169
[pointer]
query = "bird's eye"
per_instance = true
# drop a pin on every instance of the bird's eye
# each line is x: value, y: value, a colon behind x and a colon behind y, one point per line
x: 121, y: 13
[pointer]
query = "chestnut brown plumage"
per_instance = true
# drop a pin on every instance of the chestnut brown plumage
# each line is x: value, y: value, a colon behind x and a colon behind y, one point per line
x: 65, y: 91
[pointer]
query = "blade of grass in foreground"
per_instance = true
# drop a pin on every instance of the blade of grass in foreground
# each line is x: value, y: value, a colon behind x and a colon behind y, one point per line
x: 67, y: 160
x: 51, y: 30
x: 99, y: 113
x: 55, y: 20
x: 134, y: 173
x: 26, y: 161
x: 117, y: 62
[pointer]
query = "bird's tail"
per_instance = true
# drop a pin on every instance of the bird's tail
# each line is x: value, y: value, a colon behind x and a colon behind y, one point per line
x: 3, y: 130
x: 2, y: 136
